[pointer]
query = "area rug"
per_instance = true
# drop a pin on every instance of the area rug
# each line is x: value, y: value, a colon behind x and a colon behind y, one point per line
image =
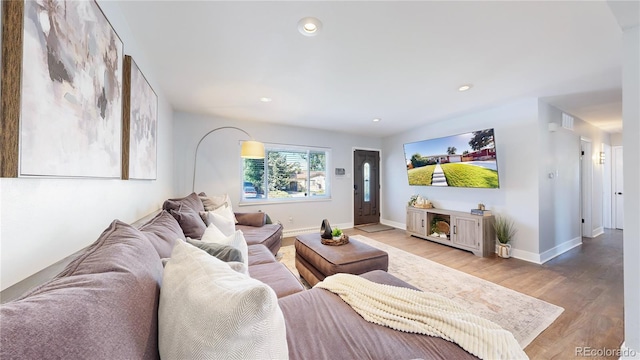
x: 374, y: 228
x: 525, y: 316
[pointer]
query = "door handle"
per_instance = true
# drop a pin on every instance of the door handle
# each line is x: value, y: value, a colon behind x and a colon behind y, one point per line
x: 355, y: 187
x: 619, y: 193
x: 422, y: 223
x: 454, y: 230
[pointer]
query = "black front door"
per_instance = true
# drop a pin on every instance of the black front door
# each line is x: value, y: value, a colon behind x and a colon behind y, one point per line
x: 366, y: 187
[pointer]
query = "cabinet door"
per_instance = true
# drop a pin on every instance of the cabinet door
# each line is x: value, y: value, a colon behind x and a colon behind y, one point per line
x: 466, y: 232
x: 416, y: 222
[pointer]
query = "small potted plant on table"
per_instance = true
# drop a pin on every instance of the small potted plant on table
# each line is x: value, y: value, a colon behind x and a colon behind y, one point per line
x: 336, y: 233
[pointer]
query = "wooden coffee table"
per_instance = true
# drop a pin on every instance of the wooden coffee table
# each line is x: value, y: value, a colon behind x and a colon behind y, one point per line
x: 316, y: 261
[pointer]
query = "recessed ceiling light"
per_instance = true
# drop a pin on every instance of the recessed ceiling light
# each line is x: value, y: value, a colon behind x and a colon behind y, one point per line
x: 266, y: 99
x: 376, y: 120
x: 309, y: 26
x: 465, y: 87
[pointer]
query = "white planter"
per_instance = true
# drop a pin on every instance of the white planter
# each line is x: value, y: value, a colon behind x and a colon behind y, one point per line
x: 504, y: 250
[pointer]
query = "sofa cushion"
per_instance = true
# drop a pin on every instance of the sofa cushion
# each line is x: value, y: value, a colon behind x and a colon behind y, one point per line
x: 191, y: 201
x: 88, y: 311
x: 269, y: 235
x: 319, y: 314
x: 208, y: 311
x: 278, y: 277
x: 190, y: 222
x: 162, y: 231
x: 225, y: 253
x: 260, y: 254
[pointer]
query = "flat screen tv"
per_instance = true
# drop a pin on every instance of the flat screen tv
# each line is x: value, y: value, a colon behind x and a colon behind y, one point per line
x: 465, y: 160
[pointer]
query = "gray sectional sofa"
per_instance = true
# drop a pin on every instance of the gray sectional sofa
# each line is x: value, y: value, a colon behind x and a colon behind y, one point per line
x: 104, y: 304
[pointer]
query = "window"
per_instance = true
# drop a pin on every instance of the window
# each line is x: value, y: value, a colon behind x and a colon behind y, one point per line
x: 286, y: 173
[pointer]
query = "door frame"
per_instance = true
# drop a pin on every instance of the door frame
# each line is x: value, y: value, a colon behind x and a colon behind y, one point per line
x: 351, y: 177
x: 586, y: 187
x: 607, y: 187
x: 614, y: 180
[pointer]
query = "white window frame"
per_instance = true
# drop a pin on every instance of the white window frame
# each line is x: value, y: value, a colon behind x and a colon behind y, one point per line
x: 270, y: 147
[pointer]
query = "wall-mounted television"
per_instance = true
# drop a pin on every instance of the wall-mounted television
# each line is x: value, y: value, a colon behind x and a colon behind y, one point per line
x: 464, y: 160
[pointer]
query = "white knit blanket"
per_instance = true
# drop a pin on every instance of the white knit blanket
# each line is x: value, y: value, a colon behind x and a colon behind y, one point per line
x: 426, y: 313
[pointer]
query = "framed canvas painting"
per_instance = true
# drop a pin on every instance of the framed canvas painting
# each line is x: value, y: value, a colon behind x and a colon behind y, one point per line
x: 140, y: 125
x: 69, y: 86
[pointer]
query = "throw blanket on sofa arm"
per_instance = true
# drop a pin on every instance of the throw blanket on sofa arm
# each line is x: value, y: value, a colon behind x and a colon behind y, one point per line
x: 425, y: 313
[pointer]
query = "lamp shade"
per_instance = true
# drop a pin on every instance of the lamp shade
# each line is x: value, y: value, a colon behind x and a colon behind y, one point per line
x: 252, y: 149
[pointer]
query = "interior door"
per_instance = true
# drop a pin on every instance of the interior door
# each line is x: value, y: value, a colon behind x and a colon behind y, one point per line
x: 366, y: 187
x: 618, y: 197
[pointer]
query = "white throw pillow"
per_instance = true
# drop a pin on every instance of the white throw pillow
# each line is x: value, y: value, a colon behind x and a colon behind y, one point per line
x: 223, y: 223
x: 209, y: 311
x: 219, y: 201
x: 227, y: 212
x: 213, y: 235
x: 236, y: 239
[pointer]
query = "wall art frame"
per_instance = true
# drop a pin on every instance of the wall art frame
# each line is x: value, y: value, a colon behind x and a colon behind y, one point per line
x: 61, y: 91
x: 139, y: 125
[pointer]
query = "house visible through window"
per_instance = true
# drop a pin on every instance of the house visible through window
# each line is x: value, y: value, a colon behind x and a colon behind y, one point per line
x: 286, y: 173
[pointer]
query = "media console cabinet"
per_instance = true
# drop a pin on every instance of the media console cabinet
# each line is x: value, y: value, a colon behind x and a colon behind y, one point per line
x: 463, y: 230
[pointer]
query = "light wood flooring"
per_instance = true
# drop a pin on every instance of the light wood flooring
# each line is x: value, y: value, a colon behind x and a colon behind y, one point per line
x: 586, y: 281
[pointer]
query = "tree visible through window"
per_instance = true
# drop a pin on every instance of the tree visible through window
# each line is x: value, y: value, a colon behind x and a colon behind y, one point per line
x: 286, y: 173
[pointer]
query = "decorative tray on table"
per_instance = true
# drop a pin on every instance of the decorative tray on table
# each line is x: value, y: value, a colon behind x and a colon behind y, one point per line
x: 344, y: 239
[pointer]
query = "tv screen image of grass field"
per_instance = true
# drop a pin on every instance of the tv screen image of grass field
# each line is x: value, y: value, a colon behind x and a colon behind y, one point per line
x: 465, y: 160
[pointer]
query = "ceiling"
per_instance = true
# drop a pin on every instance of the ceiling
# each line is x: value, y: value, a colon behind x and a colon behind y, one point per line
x: 401, y: 62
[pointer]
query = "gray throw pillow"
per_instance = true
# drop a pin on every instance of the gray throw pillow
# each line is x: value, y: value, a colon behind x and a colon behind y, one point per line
x: 225, y: 253
x: 190, y: 222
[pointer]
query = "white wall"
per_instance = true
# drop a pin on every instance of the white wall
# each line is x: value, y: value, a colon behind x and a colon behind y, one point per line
x: 616, y: 139
x: 219, y: 166
x: 45, y: 220
x: 631, y: 143
x: 560, y: 222
x: 559, y: 187
x: 516, y: 131
x: 598, y: 138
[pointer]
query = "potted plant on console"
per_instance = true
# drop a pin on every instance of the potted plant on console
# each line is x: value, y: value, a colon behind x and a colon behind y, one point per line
x: 505, y: 231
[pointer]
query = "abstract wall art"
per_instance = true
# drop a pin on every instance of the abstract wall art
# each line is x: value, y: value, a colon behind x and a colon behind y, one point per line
x: 140, y: 125
x: 70, y: 88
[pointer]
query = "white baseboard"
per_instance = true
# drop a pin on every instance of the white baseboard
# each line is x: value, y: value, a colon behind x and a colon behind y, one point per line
x: 295, y: 232
x: 545, y: 256
x: 525, y: 255
x: 560, y: 249
x: 395, y: 224
x: 597, y: 231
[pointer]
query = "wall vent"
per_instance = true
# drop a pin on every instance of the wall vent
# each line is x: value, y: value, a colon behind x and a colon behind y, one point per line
x: 567, y: 121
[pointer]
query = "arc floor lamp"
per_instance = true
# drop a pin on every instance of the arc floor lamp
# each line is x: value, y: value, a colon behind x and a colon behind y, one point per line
x: 251, y: 149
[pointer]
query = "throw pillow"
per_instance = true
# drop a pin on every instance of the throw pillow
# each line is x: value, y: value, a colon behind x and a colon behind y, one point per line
x: 235, y: 240
x: 225, y: 253
x: 226, y: 212
x: 190, y: 222
x: 211, y: 203
x: 223, y: 223
x: 213, y: 235
x: 191, y: 201
x: 238, y: 266
x: 209, y: 311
